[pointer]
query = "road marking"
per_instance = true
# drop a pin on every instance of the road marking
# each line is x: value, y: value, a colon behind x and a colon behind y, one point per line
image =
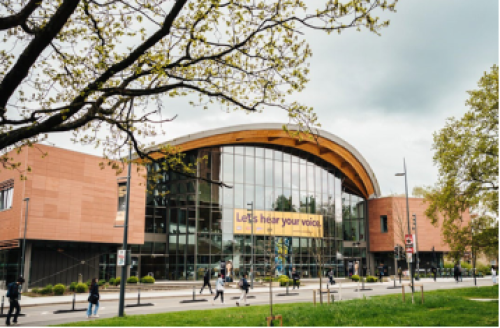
x: 45, y: 313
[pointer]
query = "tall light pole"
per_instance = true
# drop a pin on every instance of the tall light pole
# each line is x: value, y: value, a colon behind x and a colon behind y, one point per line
x: 408, y: 218
x: 416, y: 243
x: 27, y: 200
x: 253, y: 244
x: 121, y: 304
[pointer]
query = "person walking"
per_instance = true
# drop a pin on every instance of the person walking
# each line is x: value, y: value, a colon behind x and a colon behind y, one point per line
x: 493, y: 275
x: 434, y: 272
x: 460, y: 272
x: 243, y: 284
x: 455, y: 272
x: 400, y: 273
x: 93, y: 299
x: 219, y: 289
x: 330, y: 277
x: 295, y: 277
x: 13, y: 296
x: 206, y: 281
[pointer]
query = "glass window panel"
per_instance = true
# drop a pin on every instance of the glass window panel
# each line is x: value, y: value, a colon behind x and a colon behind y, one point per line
x: 238, y: 195
x: 362, y: 231
x: 191, y: 200
x: 287, y: 157
x: 172, y: 245
x: 204, y: 195
x: 191, y: 220
x: 204, y: 219
x: 182, y: 200
x: 227, y: 243
x: 190, y: 245
x: 296, y: 200
x: 238, y: 168
x: 287, y: 175
x: 295, y: 159
x: 216, y: 223
x: 182, y: 220
x: 250, y: 151
x: 203, y: 244
x: 249, y: 170
x: 216, y: 244
x: 278, y: 155
x: 295, y: 176
x: 310, y: 178
x: 240, y: 150
x: 287, y: 203
x: 259, y: 171
x: 228, y: 197
x: 227, y: 220
x: 317, y: 174
x: 147, y: 248
x: 268, y: 153
x: 216, y: 195
x: 227, y: 149
x: 259, y: 198
x: 249, y: 194
x: 174, y: 220
x: 278, y: 174
x: 227, y: 172
x: 269, y: 199
x: 259, y: 152
x: 324, y: 179
x: 303, y: 177
x: 278, y: 200
x: 304, y: 202
x: 182, y: 245
x: 269, y: 172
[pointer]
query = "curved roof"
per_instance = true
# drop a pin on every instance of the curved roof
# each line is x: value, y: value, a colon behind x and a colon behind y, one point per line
x: 327, y: 146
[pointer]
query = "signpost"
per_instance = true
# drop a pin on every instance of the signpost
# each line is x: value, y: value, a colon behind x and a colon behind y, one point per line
x: 120, y: 261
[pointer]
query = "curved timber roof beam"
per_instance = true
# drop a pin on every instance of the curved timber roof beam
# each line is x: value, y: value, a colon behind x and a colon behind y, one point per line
x: 328, y: 146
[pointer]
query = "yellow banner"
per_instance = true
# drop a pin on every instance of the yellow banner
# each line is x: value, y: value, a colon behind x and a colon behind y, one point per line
x: 278, y: 223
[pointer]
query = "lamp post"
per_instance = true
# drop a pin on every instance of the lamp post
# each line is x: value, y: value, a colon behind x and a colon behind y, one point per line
x: 416, y: 244
x: 408, y: 219
x: 27, y: 200
x: 253, y: 244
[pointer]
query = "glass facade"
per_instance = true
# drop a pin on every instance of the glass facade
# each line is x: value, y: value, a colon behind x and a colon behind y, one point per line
x: 196, y: 217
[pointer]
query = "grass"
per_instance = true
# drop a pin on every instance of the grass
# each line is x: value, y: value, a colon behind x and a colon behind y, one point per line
x: 441, y: 308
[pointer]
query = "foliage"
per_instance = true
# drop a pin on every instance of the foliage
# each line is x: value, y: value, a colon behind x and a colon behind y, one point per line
x: 59, y: 289
x: 132, y: 280
x: 441, y: 308
x: 371, y: 279
x: 102, y: 282
x: 112, y: 282
x: 35, y: 290
x: 81, y: 288
x: 148, y: 280
x: 82, y: 65
x: 466, y: 153
x: 118, y: 281
x: 88, y: 283
x: 72, y: 286
x: 355, y: 277
x: 46, y: 290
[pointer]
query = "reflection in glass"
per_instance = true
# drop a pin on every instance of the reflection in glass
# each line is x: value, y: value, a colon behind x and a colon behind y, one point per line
x: 238, y: 168
x: 269, y: 172
x: 227, y: 173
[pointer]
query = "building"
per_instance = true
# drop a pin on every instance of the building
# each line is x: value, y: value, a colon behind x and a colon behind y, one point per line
x: 317, y: 199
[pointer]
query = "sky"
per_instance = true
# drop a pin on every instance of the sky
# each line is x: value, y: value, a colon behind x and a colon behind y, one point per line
x: 385, y: 95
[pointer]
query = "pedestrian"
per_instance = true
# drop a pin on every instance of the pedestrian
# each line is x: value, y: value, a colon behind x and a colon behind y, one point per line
x: 400, y: 273
x: 13, y: 296
x: 460, y: 271
x: 93, y: 299
x: 206, y: 281
x: 295, y: 277
x: 330, y: 276
x: 243, y: 284
x: 434, y: 272
x: 219, y: 289
x: 455, y: 272
x: 493, y: 275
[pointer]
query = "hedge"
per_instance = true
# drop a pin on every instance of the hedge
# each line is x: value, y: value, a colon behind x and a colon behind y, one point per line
x: 81, y: 288
x: 117, y: 281
x: 112, y: 281
x: 72, y: 286
x: 132, y: 280
x: 59, y: 289
x: 371, y: 279
x: 101, y: 282
x: 148, y: 280
x: 355, y: 277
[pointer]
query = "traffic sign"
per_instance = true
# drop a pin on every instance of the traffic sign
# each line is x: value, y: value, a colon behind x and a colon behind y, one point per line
x: 409, y: 250
x: 409, y: 258
x: 409, y: 240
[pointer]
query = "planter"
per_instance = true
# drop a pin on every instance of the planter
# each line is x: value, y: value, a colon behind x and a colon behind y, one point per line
x: 274, y: 284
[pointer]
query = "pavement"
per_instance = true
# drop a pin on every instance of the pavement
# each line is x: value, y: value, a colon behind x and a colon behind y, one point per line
x: 39, y: 310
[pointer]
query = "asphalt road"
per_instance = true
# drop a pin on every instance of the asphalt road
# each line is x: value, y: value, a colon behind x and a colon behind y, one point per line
x: 43, y: 315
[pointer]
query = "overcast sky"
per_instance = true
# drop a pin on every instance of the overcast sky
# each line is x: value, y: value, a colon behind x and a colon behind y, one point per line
x: 385, y: 95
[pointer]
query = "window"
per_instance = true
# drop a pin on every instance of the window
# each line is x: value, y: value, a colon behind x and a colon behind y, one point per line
x: 383, y: 223
x: 6, y: 193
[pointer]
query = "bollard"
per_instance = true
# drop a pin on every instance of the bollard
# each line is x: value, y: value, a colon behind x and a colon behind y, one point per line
x: 328, y: 294
x: 340, y: 287
x: 74, y: 300
x: 139, y: 296
x: 1, y: 311
x: 287, y: 285
x: 314, y: 297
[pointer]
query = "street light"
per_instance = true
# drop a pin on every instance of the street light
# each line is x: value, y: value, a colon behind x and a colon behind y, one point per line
x: 408, y: 218
x: 414, y: 216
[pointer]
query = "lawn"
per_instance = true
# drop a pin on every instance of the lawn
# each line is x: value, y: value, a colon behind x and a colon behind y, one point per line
x: 441, y: 308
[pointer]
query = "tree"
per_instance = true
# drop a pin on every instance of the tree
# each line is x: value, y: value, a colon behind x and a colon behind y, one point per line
x: 104, y: 69
x: 466, y: 153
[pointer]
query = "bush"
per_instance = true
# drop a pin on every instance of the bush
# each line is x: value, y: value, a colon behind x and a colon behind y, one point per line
x: 355, y: 278
x: 81, y: 288
x: 35, y: 290
x: 88, y: 283
x: 148, y: 280
x: 59, y: 289
x: 117, y: 281
x: 132, y: 280
x: 101, y: 282
x: 371, y: 279
x: 72, y: 286
x: 283, y: 279
x: 112, y: 281
x: 485, y: 269
x: 46, y: 290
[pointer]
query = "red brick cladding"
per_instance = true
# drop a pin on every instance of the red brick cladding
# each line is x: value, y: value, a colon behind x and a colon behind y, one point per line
x: 428, y: 235
x: 73, y: 199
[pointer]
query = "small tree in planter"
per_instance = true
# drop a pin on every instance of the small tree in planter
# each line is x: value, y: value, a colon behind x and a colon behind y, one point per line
x: 132, y: 280
x: 148, y: 280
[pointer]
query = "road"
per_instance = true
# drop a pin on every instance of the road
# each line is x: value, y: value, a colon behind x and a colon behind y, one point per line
x: 43, y: 315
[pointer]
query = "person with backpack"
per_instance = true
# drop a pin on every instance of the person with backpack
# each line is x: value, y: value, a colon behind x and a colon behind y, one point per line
x: 330, y: 277
x: 295, y: 277
x: 243, y: 284
x: 206, y: 281
x: 219, y: 288
x: 13, y: 296
x: 93, y: 299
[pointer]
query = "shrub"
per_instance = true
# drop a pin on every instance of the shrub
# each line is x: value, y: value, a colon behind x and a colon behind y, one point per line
x: 117, y: 281
x: 148, y: 280
x: 283, y: 279
x: 88, y: 283
x: 46, y: 290
x: 355, y: 277
x: 72, y: 286
x: 101, y: 282
x: 112, y: 281
x: 81, y: 288
x: 485, y: 269
x: 132, y: 280
x: 35, y: 290
x: 59, y: 289
x: 371, y: 279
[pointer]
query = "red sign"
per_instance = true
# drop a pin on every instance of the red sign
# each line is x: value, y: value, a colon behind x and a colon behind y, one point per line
x: 409, y: 240
x: 409, y: 250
